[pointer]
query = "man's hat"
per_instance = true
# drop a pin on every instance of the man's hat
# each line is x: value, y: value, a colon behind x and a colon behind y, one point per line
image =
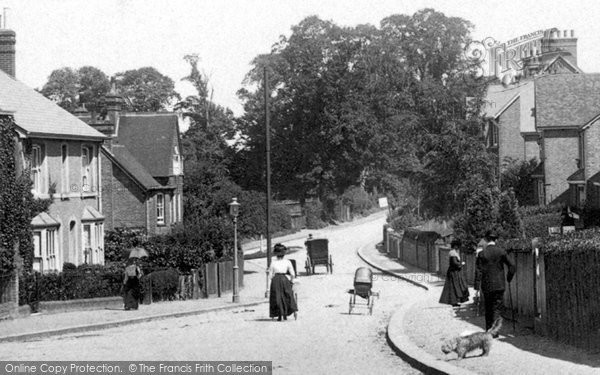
x: 491, y: 235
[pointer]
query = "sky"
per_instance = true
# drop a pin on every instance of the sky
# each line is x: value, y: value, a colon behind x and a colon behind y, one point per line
x: 119, y: 35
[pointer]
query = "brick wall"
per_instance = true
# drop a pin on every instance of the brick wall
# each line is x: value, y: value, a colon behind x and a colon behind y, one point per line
x: 511, y: 143
x: 592, y: 150
x: 7, y: 51
x: 561, y: 152
x: 128, y: 202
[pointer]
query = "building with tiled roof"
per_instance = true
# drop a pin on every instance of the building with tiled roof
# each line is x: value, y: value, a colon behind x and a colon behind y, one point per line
x: 61, y: 153
x: 142, y: 169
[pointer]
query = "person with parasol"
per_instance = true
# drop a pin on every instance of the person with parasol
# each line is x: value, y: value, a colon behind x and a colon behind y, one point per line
x: 131, y: 279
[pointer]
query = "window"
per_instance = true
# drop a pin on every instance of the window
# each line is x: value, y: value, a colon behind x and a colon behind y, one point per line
x: 99, y: 245
x: 176, y: 161
x: 87, y: 244
x: 64, y: 151
x: 172, y: 209
x: 493, y: 134
x: 37, y: 158
x: 87, y: 155
x: 160, y: 208
x: 51, y: 249
x: 37, y: 251
x: 581, y: 195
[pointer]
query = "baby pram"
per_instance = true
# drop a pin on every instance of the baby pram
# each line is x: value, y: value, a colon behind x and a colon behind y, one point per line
x: 363, y: 283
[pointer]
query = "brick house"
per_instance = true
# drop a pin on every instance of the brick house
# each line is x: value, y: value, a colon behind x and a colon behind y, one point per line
x: 529, y: 118
x: 142, y: 168
x: 62, y: 155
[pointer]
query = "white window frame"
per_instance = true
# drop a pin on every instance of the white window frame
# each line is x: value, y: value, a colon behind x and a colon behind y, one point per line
x: 87, y: 243
x: 37, y: 169
x: 51, y: 261
x: 160, y: 209
x: 87, y: 169
x: 172, y: 208
x: 64, y: 160
x: 38, y: 262
x: 176, y: 161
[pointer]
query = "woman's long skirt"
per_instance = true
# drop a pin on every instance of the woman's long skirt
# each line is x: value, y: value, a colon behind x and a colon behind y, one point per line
x: 455, y: 289
x: 281, y: 302
x: 131, y: 293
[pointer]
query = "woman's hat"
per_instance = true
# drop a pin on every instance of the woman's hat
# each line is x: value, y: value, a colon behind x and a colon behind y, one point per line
x: 279, y: 249
x: 491, y: 235
x: 455, y: 243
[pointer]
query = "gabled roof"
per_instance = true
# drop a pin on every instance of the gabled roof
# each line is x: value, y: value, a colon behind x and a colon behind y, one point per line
x: 150, y: 138
x: 560, y: 62
x: 577, y: 177
x: 499, y: 98
x: 538, y: 172
x: 43, y: 219
x: 131, y: 167
x: 566, y: 100
x: 37, y: 116
x: 595, y: 179
x: 91, y: 214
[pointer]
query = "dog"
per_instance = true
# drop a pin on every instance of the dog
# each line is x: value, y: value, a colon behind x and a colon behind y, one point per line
x: 478, y: 340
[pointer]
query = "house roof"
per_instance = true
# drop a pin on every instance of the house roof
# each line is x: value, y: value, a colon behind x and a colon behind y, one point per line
x: 129, y: 164
x: 91, y: 214
x: 150, y: 138
x: 595, y: 179
x: 499, y: 98
x: 538, y: 171
x: 577, y: 177
x: 566, y: 100
x: 37, y: 116
x: 43, y: 219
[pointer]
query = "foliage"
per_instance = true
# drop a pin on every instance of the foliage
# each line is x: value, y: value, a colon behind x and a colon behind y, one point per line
x: 147, y: 89
x: 313, y: 211
x: 404, y: 221
x: 119, y: 241
x: 516, y: 175
x: 358, y: 199
x: 71, y: 88
x: 480, y: 215
x: 17, y: 205
x: 85, y: 281
x: 540, y: 210
x: 367, y: 105
x: 164, y: 284
x: 510, y: 223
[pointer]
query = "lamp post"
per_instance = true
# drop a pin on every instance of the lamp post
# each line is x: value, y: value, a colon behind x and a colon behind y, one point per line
x: 234, y: 210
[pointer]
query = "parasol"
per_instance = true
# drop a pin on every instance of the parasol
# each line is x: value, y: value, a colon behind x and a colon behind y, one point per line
x: 138, y: 252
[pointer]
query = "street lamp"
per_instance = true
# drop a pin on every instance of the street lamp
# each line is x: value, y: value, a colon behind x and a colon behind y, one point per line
x: 234, y: 210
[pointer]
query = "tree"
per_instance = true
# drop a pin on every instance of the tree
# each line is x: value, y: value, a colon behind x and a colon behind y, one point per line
x: 72, y: 88
x: 147, y: 89
x: 516, y: 175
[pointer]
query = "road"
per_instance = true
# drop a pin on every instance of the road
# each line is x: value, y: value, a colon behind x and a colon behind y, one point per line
x: 324, y: 338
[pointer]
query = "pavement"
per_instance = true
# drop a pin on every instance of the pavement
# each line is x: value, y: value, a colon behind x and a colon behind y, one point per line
x: 415, y: 330
x: 418, y: 328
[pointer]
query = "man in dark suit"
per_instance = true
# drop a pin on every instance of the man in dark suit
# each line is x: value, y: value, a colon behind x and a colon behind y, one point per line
x: 490, y: 266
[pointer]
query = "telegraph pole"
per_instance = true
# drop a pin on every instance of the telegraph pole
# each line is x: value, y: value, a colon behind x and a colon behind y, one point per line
x: 268, y: 152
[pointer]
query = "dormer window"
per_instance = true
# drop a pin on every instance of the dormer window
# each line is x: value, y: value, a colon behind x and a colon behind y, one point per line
x: 176, y: 161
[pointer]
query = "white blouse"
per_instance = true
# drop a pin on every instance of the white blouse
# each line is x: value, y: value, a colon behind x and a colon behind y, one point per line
x: 281, y: 266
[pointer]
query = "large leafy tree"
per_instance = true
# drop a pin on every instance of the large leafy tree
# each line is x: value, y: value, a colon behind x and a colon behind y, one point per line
x: 147, y: 89
x: 383, y: 107
x: 71, y: 88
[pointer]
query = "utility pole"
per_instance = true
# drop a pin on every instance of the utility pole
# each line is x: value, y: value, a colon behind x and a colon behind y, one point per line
x: 268, y: 152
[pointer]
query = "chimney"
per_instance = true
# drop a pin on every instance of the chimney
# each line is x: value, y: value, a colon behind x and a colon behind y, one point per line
x: 7, y: 51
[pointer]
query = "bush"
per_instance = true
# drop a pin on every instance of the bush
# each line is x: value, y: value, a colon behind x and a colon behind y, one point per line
x: 313, y: 211
x: 164, y: 284
x: 117, y: 242
x: 537, y: 225
x: 405, y: 221
x: 85, y: 281
x: 358, y: 199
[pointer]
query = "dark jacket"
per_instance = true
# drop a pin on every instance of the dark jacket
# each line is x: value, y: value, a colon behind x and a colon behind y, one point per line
x: 490, y: 267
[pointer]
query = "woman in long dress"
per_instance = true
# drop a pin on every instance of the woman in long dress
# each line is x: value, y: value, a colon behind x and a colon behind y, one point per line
x: 131, y: 285
x: 281, y: 302
x: 455, y: 289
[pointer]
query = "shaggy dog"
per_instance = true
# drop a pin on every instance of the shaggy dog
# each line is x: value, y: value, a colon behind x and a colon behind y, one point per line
x: 478, y: 340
